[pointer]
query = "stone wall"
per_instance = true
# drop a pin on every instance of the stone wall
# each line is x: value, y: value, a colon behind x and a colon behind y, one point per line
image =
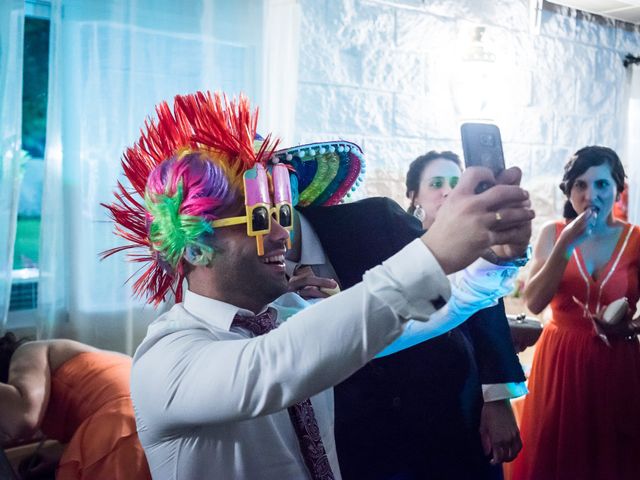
x: 390, y: 76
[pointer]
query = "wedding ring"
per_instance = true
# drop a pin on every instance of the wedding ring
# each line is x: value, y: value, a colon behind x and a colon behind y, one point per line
x: 498, y: 217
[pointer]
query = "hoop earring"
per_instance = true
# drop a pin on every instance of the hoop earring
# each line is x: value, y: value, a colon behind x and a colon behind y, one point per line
x: 419, y: 213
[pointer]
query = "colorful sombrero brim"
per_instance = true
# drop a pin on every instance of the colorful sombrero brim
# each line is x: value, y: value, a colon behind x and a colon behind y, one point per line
x: 327, y: 172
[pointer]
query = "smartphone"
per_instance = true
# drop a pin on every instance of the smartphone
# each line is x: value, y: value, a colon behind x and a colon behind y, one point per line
x: 482, y: 146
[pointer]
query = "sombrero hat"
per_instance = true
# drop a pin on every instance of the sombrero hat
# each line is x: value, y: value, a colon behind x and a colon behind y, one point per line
x: 326, y: 173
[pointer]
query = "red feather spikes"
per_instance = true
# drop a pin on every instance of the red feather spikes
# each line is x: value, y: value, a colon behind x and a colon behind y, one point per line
x: 199, y: 121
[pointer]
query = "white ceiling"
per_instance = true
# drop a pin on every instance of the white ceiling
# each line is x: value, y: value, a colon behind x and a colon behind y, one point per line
x: 627, y: 10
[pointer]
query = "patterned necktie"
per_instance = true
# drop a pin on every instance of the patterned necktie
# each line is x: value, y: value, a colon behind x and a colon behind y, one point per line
x: 301, y: 414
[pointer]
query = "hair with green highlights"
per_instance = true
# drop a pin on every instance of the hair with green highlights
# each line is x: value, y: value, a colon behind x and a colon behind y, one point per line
x: 184, y: 195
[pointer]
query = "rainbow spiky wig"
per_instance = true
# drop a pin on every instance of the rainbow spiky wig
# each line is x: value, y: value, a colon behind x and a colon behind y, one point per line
x: 185, y: 171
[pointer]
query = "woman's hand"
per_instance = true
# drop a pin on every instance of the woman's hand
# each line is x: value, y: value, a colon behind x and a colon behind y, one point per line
x: 306, y: 284
x: 578, y: 230
x: 550, y: 258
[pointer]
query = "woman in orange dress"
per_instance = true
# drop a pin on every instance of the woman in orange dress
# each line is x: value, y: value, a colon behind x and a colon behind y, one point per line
x: 581, y: 418
x: 75, y: 394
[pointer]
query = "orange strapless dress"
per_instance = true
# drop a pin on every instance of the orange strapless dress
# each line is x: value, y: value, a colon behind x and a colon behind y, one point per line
x: 581, y: 419
x: 90, y: 409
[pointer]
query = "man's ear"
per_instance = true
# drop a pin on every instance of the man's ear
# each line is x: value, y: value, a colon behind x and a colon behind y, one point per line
x: 412, y: 196
x: 196, y: 256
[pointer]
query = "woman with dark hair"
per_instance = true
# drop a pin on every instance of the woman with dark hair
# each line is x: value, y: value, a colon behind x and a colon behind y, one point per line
x: 581, y: 418
x: 429, y: 180
x: 75, y: 394
x: 490, y: 426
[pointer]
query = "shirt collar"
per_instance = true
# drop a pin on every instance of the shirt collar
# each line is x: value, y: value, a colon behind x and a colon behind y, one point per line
x: 211, y: 311
x: 311, y: 251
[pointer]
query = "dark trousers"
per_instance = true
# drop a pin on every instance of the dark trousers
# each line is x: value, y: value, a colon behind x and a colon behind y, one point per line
x: 414, y: 415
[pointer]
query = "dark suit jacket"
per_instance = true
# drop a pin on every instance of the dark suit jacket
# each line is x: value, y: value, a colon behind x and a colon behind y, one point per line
x: 413, y: 414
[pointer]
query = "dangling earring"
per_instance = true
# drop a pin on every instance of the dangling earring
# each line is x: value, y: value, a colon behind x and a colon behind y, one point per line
x: 418, y: 212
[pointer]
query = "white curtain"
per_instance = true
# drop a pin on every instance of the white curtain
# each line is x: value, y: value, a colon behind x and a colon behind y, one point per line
x: 11, y: 42
x: 632, y: 150
x: 280, y: 85
x: 110, y: 63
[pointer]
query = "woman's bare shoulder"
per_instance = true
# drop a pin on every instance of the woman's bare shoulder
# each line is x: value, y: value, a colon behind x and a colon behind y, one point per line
x: 62, y: 349
x: 56, y: 351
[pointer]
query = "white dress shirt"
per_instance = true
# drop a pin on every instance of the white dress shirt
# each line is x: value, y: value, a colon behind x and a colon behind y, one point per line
x: 210, y: 399
x: 478, y: 286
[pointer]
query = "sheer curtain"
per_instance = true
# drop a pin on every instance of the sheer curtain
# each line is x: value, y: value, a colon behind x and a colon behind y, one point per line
x: 11, y: 42
x: 632, y: 151
x: 111, y: 62
x: 280, y: 85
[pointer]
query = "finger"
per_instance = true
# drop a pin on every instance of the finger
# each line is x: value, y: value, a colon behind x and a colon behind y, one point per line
x: 503, y: 454
x: 510, y: 176
x: 579, y: 226
x: 513, y: 451
x: 584, y: 217
x: 312, y: 281
x: 296, y: 283
x: 507, y: 456
x: 497, y: 455
x: 507, y: 453
x: 513, y: 250
x: 517, y: 204
x: 517, y: 445
x: 501, y: 195
x: 303, y: 271
x: 509, y: 218
x: 512, y: 236
x: 470, y: 179
x: 312, y: 292
x: 486, y: 443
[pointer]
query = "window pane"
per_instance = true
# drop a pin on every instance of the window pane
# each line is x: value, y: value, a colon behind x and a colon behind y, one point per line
x: 34, y: 122
x: 35, y: 81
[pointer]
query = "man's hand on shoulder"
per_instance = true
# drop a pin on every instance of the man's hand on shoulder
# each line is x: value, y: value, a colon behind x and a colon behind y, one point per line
x: 306, y: 284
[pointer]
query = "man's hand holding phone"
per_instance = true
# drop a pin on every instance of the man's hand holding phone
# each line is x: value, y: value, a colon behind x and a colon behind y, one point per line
x: 482, y: 146
x: 468, y: 223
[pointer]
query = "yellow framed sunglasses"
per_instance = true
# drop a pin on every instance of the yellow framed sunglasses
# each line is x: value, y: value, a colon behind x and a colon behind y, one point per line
x: 259, y: 207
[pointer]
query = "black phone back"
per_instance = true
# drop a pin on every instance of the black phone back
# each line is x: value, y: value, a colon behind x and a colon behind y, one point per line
x: 482, y: 146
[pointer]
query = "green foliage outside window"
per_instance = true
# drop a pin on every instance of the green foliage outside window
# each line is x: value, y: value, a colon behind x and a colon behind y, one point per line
x: 35, y: 85
x: 34, y: 127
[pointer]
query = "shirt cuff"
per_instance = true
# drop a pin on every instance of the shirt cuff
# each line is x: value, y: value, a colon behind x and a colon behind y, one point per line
x: 411, y: 282
x: 484, y: 268
x: 486, y: 278
x: 492, y: 392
